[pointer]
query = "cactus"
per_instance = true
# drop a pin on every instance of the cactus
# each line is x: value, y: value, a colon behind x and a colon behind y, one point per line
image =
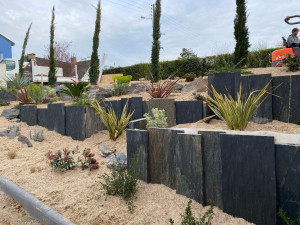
x: 17, y: 127
x: 38, y: 135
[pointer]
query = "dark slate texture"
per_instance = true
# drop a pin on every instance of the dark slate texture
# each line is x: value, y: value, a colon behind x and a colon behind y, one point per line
x: 145, y: 107
x: 75, y: 122
x: 189, y: 167
x: 188, y: 111
x: 162, y: 159
x: 42, y: 117
x: 6, y: 96
x: 248, y: 177
x: 28, y: 114
x: 225, y: 81
x: 137, y: 146
x: 295, y: 100
x: 93, y: 123
x: 136, y: 105
x: 117, y: 105
x: 288, y: 180
x: 281, y: 104
x: 138, y: 124
x: 164, y: 104
x: 56, y: 118
x: 212, y: 167
x: 206, y: 111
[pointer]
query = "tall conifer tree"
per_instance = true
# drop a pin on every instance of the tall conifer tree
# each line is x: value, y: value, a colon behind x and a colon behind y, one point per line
x: 52, y: 67
x: 155, y: 68
x: 22, y: 59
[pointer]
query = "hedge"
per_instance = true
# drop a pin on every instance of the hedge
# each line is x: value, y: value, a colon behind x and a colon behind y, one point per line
x: 200, y: 66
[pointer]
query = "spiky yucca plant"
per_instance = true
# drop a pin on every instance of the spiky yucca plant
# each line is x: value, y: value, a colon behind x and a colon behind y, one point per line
x: 236, y: 113
x: 110, y: 119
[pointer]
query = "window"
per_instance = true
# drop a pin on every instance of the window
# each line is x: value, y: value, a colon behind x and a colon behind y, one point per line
x: 10, y: 65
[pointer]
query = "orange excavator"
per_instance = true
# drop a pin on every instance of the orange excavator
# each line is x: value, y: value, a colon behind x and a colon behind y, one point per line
x: 280, y: 54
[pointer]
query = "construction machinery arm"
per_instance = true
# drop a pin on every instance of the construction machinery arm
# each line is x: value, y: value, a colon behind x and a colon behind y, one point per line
x: 287, y: 20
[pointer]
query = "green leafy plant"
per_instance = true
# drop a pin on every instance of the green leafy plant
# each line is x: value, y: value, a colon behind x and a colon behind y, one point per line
x: 189, y: 77
x: 75, y: 90
x: 121, y: 84
x: 88, y: 162
x: 225, y: 66
x: 4, y: 103
x: 199, y: 97
x: 122, y: 182
x: 287, y: 220
x: 113, y: 123
x: 62, y: 159
x: 84, y: 101
x: 18, y: 82
x: 236, y: 113
x: 51, y: 92
x: 16, y: 106
x: 122, y: 79
x: 36, y: 93
x: 157, y: 119
x: 293, y: 63
x: 189, y: 219
x: 37, y: 135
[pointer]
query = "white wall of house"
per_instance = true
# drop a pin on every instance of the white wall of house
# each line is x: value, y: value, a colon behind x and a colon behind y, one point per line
x: 43, y: 70
x: 2, y: 75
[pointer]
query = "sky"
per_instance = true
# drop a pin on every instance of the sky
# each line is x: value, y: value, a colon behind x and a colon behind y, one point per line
x: 205, y: 26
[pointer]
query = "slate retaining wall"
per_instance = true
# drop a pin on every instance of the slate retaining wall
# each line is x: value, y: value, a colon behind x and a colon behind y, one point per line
x: 246, y: 176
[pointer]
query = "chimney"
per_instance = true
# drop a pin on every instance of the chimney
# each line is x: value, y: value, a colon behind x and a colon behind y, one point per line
x: 31, y: 56
x: 73, y: 64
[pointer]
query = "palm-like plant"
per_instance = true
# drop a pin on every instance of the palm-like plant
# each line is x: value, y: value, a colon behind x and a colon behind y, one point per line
x: 236, y: 113
x: 75, y: 90
x: 110, y: 119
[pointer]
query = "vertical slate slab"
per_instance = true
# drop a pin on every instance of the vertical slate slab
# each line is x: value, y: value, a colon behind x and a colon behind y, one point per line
x: 188, y: 111
x: 212, y: 167
x: 225, y: 81
x: 93, y: 123
x: 137, y: 146
x: 145, y: 107
x: 28, y: 114
x: 162, y: 159
x: 117, y: 105
x: 164, y: 104
x: 136, y: 105
x: 42, y: 117
x: 57, y: 118
x: 75, y: 122
x: 139, y: 124
x: 288, y: 180
x: 189, y: 167
x: 295, y: 100
x: 248, y: 177
x: 281, y: 104
x: 206, y: 111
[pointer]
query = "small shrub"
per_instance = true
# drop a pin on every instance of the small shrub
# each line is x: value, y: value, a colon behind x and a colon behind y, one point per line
x: 293, y: 63
x: 23, y: 95
x: 84, y: 101
x: 14, y: 126
x: 88, y: 162
x: 4, y: 103
x: 226, y: 67
x: 199, y: 97
x: 37, y: 136
x: 62, y: 159
x: 120, y: 89
x: 189, y: 219
x: 122, y: 79
x: 287, y: 220
x: 11, y: 154
x: 75, y: 90
x: 50, y: 92
x: 113, y: 123
x: 189, y: 77
x: 18, y: 82
x: 122, y: 182
x: 16, y: 106
x: 157, y: 119
x: 36, y: 93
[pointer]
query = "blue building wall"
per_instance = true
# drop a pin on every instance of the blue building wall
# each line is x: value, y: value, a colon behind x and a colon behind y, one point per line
x: 5, y: 48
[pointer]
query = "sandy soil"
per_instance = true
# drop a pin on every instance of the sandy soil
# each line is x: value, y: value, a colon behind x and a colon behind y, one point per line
x: 76, y: 195
x: 275, y: 71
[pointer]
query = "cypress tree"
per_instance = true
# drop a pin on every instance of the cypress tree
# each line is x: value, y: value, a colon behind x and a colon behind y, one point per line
x: 52, y: 69
x: 94, y: 67
x: 155, y: 68
x: 22, y: 59
x: 241, y: 34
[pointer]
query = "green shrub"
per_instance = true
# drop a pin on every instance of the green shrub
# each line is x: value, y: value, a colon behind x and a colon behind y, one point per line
x: 37, y: 136
x: 189, y: 219
x: 4, y: 103
x: 157, y: 119
x: 288, y: 220
x: 84, y: 101
x: 122, y: 79
x: 36, y: 93
x: 122, y: 182
x: 189, y: 77
x: 120, y: 89
x: 293, y: 63
x: 112, y: 121
x: 18, y: 82
x: 62, y: 159
x: 51, y: 92
x: 75, y: 90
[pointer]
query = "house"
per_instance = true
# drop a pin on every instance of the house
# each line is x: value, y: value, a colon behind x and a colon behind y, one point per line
x: 5, y: 47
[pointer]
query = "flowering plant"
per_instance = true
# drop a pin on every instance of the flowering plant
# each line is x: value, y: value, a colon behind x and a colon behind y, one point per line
x: 62, y: 159
x: 88, y: 161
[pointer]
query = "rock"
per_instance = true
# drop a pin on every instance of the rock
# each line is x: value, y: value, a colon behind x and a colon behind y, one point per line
x: 104, y: 92
x: 199, y: 85
x: 136, y: 88
x: 16, y: 120
x: 7, y: 96
x: 3, y: 133
x: 118, y: 160
x: 24, y: 140
x: 13, y: 132
x: 59, y: 88
x: 10, y: 113
x: 105, y: 150
x: 66, y: 97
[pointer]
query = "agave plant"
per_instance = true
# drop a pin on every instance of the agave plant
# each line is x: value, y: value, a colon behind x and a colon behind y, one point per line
x: 75, y: 90
x: 18, y: 82
x: 161, y: 89
x: 236, y: 113
x: 114, y: 124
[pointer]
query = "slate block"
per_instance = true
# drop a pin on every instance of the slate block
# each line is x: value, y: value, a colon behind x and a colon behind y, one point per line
x: 295, y: 100
x: 116, y: 105
x: 136, y: 105
x: 93, y: 122
x: 281, y: 104
x: 225, y: 81
x: 162, y: 157
x: 248, y: 177
x: 145, y: 107
x: 137, y: 146
x: 42, y: 117
x: 288, y: 180
x: 6, y: 96
x: 164, y: 104
x: 212, y: 167
x: 28, y: 114
x: 206, y: 111
x: 75, y: 122
x: 139, y: 124
x: 189, y: 167
x: 188, y: 111
x: 57, y: 118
